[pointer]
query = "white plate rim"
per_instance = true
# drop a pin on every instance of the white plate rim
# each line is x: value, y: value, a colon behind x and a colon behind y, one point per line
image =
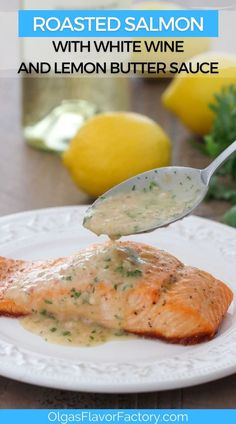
x: 18, y: 364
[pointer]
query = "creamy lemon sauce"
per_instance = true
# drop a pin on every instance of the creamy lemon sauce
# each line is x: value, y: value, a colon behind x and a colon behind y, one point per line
x: 71, y: 333
x: 68, y: 298
x: 109, y: 263
x: 138, y: 210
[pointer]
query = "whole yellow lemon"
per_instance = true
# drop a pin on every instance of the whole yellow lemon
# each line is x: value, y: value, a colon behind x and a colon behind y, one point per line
x: 192, y: 46
x: 189, y: 95
x: 112, y: 147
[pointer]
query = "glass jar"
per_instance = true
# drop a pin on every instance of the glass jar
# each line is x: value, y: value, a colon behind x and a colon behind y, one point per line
x: 55, y: 107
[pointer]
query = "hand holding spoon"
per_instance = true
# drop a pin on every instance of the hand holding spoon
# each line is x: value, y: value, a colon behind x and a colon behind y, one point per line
x: 151, y: 200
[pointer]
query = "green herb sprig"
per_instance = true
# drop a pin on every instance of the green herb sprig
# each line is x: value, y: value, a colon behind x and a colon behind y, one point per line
x: 223, y: 133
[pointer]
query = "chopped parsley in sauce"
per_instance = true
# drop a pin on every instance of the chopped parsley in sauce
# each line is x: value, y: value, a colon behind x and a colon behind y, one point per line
x: 142, y: 208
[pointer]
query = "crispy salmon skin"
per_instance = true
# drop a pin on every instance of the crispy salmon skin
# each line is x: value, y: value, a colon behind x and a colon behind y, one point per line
x: 119, y: 285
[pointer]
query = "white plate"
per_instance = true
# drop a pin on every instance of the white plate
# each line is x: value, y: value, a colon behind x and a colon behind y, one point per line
x: 117, y: 366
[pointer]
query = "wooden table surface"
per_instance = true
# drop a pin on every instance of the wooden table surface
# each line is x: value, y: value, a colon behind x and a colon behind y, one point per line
x: 32, y: 179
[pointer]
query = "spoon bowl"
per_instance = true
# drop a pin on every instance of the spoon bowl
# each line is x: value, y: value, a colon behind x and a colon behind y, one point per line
x: 185, y: 184
x: 152, y: 199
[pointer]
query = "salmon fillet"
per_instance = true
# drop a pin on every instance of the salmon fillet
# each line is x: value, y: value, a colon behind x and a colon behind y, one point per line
x: 119, y: 285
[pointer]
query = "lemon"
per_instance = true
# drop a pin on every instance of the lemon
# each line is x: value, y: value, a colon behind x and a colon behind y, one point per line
x: 189, y: 96
x: 192, y: 46
x: 112, y: 147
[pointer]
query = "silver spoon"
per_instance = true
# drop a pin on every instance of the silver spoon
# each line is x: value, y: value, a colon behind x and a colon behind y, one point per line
x: 187, y: 186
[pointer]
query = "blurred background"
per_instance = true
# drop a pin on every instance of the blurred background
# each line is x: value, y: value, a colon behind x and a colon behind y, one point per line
x: 34, y: 178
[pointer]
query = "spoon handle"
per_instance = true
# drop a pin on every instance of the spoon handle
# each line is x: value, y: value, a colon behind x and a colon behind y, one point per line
x: 210, y: 170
